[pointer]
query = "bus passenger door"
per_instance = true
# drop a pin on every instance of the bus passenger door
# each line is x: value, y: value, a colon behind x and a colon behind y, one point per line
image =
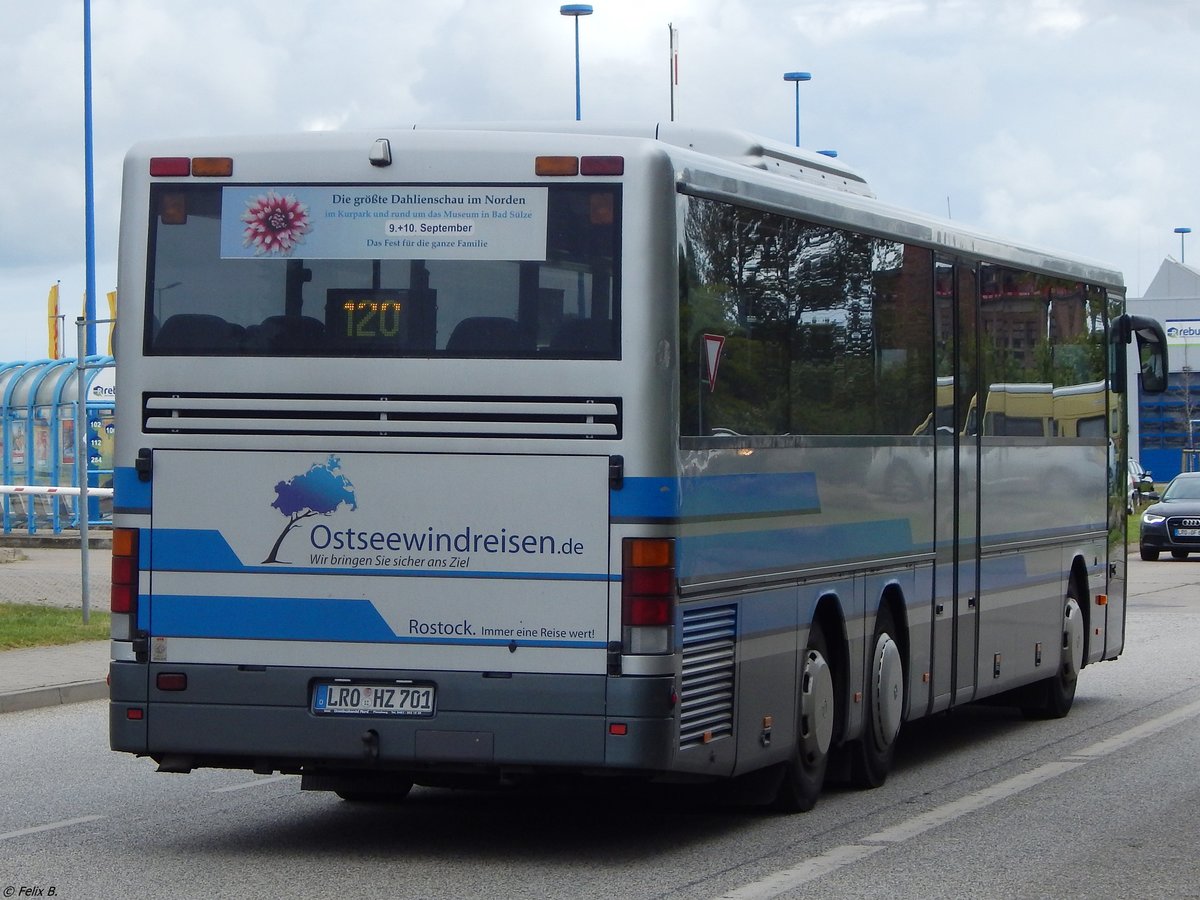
x: 966, y: 544
x: 956, y: 594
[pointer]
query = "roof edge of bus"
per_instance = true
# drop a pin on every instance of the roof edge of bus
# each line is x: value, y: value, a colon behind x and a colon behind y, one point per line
x: 730, y: 144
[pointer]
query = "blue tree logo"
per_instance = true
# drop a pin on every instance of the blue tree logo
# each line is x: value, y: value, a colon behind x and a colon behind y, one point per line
x: 317, y: 492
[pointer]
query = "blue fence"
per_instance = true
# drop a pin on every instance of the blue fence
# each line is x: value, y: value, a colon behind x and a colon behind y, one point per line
x: 1169, y: 426
x: 38, y: 439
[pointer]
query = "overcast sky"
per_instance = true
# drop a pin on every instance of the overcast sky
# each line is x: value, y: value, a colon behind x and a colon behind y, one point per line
x: 1067, y: 123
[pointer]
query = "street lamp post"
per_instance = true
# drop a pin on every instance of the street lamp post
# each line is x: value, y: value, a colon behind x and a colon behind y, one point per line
x: 89, y: 194
x: 1181, y: 231
x: 797, y: 77
x: 575, y: 10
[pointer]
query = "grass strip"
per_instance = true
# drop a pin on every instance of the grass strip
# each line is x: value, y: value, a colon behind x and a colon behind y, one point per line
x: 29, y: 625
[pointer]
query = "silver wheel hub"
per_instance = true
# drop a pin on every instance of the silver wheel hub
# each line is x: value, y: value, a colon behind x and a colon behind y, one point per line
x: 816, y: 706
x: 1072, y: 645
x: 888, y: 671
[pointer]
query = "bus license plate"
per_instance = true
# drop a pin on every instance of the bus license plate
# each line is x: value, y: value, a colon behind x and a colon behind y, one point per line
x: 362, y: 699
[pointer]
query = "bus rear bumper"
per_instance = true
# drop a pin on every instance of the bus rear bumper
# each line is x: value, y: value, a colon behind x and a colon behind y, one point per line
x: 533, y: 722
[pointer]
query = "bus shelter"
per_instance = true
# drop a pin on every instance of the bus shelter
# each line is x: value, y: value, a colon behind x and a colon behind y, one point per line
x: 40, y: 410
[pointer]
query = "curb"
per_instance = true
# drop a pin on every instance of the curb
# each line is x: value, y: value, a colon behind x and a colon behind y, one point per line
x: 56, y: 695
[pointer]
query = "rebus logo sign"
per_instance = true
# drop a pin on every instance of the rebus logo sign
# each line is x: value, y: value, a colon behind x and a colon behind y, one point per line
x: 1183, y: 330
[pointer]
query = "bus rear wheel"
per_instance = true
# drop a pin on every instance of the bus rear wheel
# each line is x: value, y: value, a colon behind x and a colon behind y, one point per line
x: 871, y: 755
x: 804, y: 773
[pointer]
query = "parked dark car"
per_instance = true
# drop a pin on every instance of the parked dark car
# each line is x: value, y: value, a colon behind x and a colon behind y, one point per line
x: 1140, y: 487
x: 1174, y: 522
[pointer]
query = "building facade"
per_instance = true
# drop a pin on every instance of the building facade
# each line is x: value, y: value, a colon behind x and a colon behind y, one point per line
x: 1165, y: 431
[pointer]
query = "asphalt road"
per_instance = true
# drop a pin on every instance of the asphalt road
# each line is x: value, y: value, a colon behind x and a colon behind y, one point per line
x: 1104, y: 803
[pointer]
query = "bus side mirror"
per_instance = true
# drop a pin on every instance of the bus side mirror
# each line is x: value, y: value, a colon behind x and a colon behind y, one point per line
x: 1151, y: 351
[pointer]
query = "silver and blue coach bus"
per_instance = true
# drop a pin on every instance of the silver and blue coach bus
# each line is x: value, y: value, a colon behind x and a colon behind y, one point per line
x: 462, y: 454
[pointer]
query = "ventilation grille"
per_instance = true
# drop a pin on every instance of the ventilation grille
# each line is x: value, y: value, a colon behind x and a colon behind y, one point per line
x: 358, y: 415
x: 706, y: 698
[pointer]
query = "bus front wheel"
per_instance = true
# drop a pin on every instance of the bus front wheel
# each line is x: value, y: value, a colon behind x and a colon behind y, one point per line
x: 804, y: 773
x: 1054, y: 696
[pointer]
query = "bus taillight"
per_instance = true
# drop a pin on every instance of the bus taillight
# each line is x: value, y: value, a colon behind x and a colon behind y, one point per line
x: 647, y: 594
x: 123, y: 598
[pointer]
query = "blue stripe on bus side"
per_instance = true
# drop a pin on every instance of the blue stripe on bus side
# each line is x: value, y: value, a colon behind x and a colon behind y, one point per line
x: 130, y: 493
x: 645, y: 498
x: 738, y: 553
x: 188, y: 550
x: 277, y: 618
x: 716, y: 496
x: 301, y: 619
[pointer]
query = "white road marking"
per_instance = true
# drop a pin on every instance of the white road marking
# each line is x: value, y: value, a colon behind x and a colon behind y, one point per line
x: 848, y: 854
x: 66, y: 823
x: 948, y: 812
x: 1125, y: 738
x: 787, y: 879
x: 251, y: 784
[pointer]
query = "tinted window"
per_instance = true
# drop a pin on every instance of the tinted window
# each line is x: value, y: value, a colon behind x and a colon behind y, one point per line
x: 790, y: 327
x: 524, y: 271
x: 1042, y: 355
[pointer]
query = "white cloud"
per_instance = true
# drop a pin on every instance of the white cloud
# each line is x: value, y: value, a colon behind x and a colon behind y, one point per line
x: 1063, y: 121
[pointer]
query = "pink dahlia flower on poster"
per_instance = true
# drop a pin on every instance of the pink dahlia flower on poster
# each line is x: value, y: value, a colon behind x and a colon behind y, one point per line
x: 275, y: 224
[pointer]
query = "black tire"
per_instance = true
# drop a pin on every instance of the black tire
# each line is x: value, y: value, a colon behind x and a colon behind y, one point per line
x: 1053, y: 697
x: 395, y: 793
x: 804, y: 774
x: 871, y: 755
x: 1148, y: 554
x: 1179, y: 554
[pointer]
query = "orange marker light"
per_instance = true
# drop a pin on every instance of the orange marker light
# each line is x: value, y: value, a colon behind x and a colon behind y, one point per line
x: 556, y: 165
x: 212, y: 166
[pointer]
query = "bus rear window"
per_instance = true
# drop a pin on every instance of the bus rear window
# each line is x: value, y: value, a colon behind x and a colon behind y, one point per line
x: 506, y: 271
